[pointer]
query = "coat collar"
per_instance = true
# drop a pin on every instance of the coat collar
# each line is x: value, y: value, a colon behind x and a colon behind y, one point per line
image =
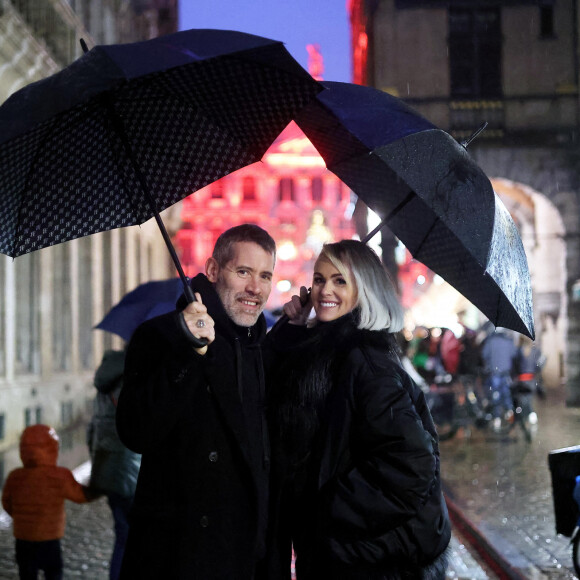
x: 225, y: 364
x: 224, y: 325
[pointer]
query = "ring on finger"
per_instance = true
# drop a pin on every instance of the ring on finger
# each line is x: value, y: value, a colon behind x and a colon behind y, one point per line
x: 200, y: 323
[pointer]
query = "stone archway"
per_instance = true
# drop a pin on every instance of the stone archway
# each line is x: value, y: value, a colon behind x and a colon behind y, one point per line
x: 543, y: 235
x: 554, y: 172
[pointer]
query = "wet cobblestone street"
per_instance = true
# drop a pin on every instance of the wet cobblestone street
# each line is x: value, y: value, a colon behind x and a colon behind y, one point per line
x: 89, y: 539
x: 86, y: 547
x: 502, y: 485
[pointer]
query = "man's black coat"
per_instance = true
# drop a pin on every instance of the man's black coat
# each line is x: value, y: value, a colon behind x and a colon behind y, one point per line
x: 200, y: 505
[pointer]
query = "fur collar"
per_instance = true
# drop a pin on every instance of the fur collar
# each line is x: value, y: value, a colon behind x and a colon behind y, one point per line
x: 308, y: 372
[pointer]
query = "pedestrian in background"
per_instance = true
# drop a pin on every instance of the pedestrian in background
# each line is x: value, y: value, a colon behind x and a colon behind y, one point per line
x: 528, y: 366
x: 470, y: 363
x: 357, y: 473
x: 498, y: 354
x: 114, y: 468
x: 197, y: 415
x: 34, y: 497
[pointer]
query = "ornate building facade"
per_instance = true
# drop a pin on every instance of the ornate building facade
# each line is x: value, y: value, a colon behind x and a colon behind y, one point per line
x: 290, y: 193
x: 50, y: 300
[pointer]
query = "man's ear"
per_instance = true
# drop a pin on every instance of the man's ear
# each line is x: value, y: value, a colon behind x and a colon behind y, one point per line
x: 211, y: 270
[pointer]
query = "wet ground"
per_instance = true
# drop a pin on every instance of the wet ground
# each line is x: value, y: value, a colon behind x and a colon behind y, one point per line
x: 501, y: 486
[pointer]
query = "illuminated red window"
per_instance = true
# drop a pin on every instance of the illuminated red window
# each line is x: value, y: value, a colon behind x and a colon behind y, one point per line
x: 286, y: 189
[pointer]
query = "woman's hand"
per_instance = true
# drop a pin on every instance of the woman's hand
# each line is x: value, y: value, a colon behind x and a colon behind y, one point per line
x: 298, y: 309
x: 199, y: 322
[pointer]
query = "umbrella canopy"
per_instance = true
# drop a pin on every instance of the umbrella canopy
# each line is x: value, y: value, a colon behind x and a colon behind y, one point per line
x: 128, y: 130
x: 144, y: 302
x: 428, y: 190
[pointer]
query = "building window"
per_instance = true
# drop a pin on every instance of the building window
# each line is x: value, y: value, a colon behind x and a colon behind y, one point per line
x: 217, y: 189
x: 85, y: 284
x: 66, y: 412
x: 547, y: 22
x: 286, y: 189
x: 67, y: 440
x: 249, y: 189
x: 28, y: 313
x: 475, y: 52
x: 317, y: 189
x: 32, y: 416
x: 61, y: 311
x: 28, y: 417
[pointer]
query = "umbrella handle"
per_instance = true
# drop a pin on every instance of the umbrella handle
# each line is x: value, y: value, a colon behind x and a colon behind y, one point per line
x: 190, y: 297
x: 196, y: 342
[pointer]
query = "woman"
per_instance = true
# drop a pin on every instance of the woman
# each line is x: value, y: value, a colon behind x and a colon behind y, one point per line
x: 357, y: 479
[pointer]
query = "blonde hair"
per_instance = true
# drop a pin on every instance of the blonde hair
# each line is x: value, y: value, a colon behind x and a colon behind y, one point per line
x: 377, y: 300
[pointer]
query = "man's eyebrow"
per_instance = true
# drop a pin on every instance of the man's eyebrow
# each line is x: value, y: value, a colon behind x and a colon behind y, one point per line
x: 242, y: 267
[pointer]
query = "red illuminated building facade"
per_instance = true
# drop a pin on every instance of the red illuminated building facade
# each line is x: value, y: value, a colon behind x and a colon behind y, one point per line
x: 359, y: 41
x: 413, y: 277
x: 290, y: 193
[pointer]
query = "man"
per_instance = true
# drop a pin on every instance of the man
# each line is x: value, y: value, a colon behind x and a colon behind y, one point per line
x: 197, y: 417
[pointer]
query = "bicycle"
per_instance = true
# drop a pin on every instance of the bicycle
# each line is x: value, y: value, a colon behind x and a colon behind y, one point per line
x: 454, y: 406
x: 524, y: 414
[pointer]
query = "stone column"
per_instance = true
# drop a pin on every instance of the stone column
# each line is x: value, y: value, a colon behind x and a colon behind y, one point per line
x: 573, y: 335
x: 571, y: 219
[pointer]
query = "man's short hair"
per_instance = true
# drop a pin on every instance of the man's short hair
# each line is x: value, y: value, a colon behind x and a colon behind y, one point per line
x: 223, y: 250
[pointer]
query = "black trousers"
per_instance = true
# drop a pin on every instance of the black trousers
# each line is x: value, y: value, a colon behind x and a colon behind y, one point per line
x: 32, y: 557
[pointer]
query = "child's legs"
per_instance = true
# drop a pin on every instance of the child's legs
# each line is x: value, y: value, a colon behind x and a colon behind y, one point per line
x: 52, y: 560
x: 34, y: 556
x: 27, y: 560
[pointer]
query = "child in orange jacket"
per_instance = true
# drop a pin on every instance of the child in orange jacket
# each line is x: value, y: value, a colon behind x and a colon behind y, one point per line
x: 34, y: 497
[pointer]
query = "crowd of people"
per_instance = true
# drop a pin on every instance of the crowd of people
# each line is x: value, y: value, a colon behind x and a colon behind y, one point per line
x: 312, y: 440
x: 492, y: 362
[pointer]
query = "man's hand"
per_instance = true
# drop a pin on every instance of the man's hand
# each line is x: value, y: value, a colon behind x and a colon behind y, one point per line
x: 298, y: 309
x: 199, y: 322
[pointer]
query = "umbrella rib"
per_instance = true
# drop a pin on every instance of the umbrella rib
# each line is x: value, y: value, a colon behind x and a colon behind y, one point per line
x: 418, y: 250
x: 390, y: 215
x: 120, y: 131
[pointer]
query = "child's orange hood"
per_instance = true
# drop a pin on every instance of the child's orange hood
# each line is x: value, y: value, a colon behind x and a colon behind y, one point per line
x: 39, y: 446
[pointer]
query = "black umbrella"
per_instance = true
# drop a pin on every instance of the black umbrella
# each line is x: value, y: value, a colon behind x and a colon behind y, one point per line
x: 128, y: 130
x: 430, y: 193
